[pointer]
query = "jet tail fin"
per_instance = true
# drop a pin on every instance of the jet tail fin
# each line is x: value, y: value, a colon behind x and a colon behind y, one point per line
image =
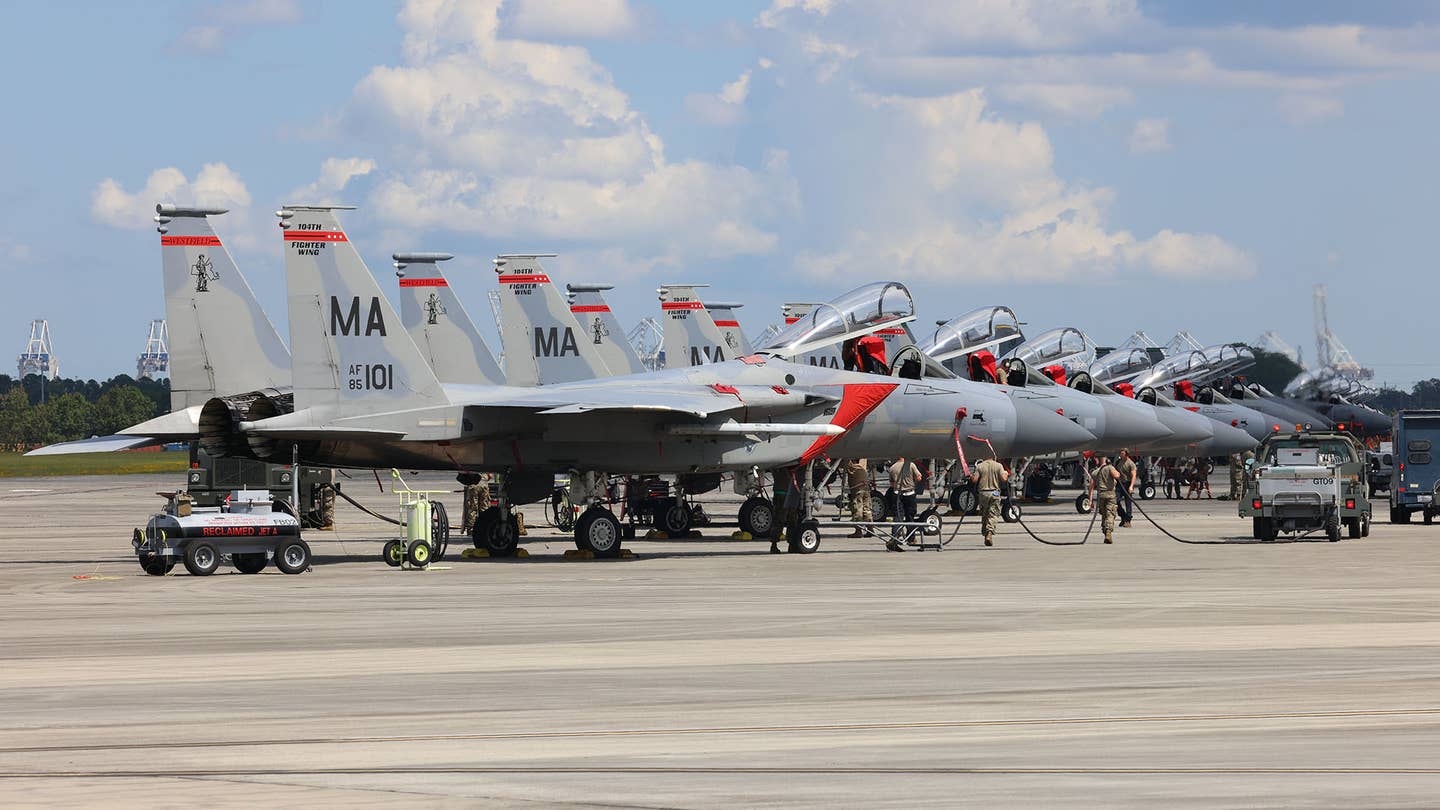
x: 588, y: 305
x: 691, y: 336
x: 439, y: 324
x: 543, y: 342
x: 221, y: 341
x: 723, y: 314
x: 351, y: 354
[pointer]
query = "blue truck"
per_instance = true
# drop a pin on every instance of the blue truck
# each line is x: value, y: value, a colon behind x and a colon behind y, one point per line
x: 1415, y: 485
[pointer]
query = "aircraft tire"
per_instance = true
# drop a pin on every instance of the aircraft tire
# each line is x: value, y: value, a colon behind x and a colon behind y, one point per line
x: 602, y: 534
x: 879, y: 506
x: 1083, y: 504
x: 933, y: 523
x: 807, y: 540
x: 675, y: 518
x: 1010, y: 511
x: 1147, y: 492
x: 757, y: 516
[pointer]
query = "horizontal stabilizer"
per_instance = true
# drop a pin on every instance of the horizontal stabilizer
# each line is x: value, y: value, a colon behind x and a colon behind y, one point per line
x: 319, y: 432
x: 95, y: 444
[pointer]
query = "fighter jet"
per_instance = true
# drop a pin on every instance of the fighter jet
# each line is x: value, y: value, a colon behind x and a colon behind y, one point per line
x: 365, y: 396
x: 692, y: 335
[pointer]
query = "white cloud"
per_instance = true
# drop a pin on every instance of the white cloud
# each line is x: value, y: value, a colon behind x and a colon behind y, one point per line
x: 1301, y: 110
x: 1066, y: 100
x: 215, y: 185
x: 1184, y: 255
x: 725, y: 108
x: 572, y: 19
x: 335, y: 175
x: 1150, y: 135
x: 217, y: 24
x: 533, y: 140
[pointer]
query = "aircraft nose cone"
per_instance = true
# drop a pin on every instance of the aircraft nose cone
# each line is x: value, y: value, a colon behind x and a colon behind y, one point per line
x: 1228, y: 441
x: 1188, y: 427
x: 1131, y: 427
x: 1040, y: 430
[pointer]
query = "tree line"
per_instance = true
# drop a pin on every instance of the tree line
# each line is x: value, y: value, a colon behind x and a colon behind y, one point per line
x: 35, y: 411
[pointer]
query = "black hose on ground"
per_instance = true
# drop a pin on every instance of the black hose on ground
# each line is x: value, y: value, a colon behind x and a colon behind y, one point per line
x: 367, y: 510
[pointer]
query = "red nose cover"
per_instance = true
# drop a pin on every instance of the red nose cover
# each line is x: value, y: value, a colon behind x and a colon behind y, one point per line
x: 856, y: 403
x: 1184, y: 390
x: 1125, y: 389
x: 1056, y: 373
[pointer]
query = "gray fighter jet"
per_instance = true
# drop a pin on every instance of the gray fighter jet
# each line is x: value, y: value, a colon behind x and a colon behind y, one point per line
x: 365, y: 396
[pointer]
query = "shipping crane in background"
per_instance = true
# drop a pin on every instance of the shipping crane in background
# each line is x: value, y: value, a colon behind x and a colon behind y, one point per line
x: 155, y: 359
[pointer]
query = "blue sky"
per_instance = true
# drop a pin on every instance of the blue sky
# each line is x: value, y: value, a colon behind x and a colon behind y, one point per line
x: 1102, y: 164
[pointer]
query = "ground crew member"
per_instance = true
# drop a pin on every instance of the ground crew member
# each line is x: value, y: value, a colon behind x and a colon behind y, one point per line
x: 904, y: 481
x: 989, y: 476
x: 1125, y: 503
x: 1236, y: 476
x: 857, y: 485
x: 477, y: 499
x: 1102, y: 496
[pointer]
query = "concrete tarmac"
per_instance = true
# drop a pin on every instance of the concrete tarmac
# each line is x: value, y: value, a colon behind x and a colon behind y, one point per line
x: 709, y: 673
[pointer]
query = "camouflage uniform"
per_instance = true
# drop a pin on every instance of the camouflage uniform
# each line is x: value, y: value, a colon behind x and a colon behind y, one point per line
x: 477, y: 500
x: 1105, y: 498
x: 1237, y: 476
x: 857, y: 486
x: 987, y: 479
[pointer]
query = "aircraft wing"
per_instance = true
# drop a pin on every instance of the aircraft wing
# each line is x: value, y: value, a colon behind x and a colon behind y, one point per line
x: 95, y: 444
x: 699, y: 401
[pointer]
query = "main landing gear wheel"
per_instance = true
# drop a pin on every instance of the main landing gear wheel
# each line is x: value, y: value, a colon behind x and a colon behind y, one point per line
x: 599, y: 531
x: 293, y: 557
x: 496, y: 533
x: 201, y: 559
x: 879, y: 506
x: 393, y: 553
x: 964, y: 500
x: 155, y: 565
x: 419, y: 554
x: 807, y: 539
x: 1083, y: 504
x: 1010, y: 511
x: 757, y: 516
x: 674, y: 519
x: 249, y: 563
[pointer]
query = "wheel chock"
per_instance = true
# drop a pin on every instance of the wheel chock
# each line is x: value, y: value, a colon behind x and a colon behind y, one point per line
x: 741, y: 535
x: 627, y: 554
x: 656, y: 534
x: 520, y: 552
x: 474, y: 553
x: 694, y: 534
x: 579, y: 554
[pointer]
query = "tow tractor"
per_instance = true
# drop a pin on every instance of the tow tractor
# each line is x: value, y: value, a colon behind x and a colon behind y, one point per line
x: 1306, y: 481
x: 245, y: 527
